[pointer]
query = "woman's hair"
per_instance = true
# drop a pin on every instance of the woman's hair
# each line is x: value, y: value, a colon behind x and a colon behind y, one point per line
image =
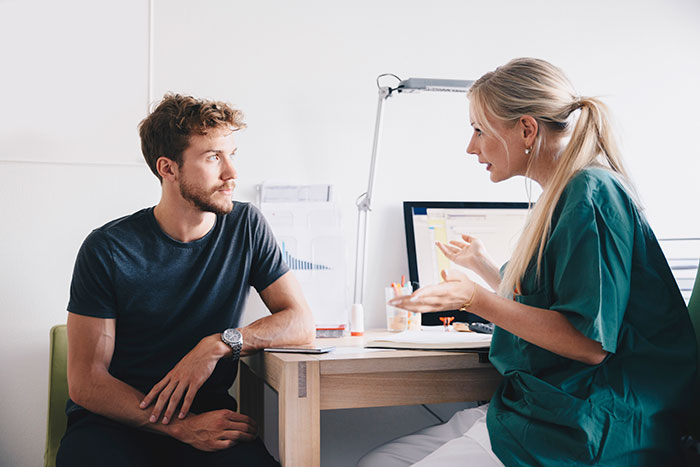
x: 167, y: 130
x: 528, y: 86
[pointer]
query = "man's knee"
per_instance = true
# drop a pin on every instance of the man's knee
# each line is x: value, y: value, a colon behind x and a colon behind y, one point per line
x: 252, y: 453
x: 93, y: 440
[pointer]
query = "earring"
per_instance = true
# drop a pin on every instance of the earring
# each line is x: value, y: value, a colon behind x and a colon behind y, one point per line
x: 528, y: 151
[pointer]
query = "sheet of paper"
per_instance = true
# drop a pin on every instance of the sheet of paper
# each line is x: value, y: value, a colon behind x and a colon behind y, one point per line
x: 353, y: 350
x: 436, y: 337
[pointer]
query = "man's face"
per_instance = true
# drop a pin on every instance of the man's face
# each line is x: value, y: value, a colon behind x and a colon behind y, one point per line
x: 206, y: 175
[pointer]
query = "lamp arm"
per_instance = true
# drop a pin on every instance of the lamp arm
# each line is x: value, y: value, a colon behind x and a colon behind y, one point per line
x: 363, y: 207
x: 384, y: 94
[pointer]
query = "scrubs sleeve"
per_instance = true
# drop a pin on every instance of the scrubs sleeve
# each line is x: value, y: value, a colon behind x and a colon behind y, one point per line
x: 590, y: 254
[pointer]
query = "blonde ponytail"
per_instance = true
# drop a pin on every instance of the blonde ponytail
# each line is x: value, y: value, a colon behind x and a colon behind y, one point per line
x: 535, y: 87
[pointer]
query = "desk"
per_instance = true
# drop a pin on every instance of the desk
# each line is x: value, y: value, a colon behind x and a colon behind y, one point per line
x: 352, y: 378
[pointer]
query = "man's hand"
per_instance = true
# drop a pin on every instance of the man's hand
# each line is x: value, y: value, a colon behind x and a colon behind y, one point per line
x: 216, y: 430
x: 185, y: 379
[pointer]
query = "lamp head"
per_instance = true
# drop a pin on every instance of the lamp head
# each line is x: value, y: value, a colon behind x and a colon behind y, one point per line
x: 428, y: 84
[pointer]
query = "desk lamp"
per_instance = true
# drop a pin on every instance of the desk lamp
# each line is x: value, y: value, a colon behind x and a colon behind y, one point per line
x: 365, y: 199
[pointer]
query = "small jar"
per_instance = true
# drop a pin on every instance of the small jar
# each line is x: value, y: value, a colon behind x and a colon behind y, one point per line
x: 414, y: 321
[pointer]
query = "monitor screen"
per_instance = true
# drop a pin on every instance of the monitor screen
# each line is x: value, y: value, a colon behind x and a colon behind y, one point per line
x: 497, y: 224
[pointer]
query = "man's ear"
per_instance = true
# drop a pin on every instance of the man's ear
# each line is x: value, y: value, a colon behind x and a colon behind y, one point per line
x: 167, y: 168
x: 529, y: 129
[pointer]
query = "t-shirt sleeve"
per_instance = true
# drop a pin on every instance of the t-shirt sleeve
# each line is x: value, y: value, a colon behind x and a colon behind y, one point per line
x: 92, y: 289
x: 590, y: 254
x: 267, y: 264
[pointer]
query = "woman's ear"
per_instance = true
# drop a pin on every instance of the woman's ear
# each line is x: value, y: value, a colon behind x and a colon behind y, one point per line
x: 167, y: 168
x: 529, y: 129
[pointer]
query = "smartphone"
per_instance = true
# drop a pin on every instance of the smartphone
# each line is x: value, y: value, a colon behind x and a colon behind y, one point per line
x: 301, y: 349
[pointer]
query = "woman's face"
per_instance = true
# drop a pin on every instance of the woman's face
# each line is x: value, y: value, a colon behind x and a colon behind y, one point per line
x: 503, y: 161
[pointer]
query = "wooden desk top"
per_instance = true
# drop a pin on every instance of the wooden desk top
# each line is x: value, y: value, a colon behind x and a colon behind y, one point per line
x: 350, y: 358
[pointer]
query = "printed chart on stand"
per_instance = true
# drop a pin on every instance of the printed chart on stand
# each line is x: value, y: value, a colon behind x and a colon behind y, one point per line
x: 310, y: 237
x: 298, y: 264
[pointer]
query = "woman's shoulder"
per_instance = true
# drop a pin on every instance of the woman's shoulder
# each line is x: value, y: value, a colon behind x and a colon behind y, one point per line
x: 593, y: 195
x: 594, y: 180
x: 596, y: 186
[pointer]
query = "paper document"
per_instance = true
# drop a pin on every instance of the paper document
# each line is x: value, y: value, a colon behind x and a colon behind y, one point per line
x: 277, y: 193
x: 432, y: 340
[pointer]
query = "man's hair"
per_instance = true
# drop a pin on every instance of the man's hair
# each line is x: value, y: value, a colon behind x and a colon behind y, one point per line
x: 166, y: 131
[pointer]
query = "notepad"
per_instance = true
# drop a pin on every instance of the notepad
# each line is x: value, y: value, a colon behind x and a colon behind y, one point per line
x: 432, y: 340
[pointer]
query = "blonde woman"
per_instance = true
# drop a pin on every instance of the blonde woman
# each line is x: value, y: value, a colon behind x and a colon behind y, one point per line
x: 592, y: 335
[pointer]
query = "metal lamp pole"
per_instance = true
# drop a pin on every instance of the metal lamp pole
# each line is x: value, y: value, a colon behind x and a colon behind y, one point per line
x: 364, y: 201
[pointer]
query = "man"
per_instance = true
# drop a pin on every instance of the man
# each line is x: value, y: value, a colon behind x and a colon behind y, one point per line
x: 155, y: 304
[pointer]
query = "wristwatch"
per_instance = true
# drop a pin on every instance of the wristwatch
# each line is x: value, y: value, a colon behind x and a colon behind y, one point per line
x: 234, y: 339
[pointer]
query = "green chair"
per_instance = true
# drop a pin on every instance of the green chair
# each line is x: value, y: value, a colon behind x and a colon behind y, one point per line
x: 58, y: 393
x: 694, y: 310
x: 691, y: 446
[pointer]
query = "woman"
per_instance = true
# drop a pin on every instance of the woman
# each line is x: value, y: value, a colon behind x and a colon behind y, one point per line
x: 592, y: 335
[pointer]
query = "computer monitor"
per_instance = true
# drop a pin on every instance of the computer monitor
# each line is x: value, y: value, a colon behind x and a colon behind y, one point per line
x: 497, y: 224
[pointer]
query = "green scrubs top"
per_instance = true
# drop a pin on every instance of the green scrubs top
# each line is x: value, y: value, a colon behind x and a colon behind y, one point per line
x: 604, y: 270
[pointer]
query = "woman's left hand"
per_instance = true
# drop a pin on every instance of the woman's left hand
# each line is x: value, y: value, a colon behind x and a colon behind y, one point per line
x: 455, y: 291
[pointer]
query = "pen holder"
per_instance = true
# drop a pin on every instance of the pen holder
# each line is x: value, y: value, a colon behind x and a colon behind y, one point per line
x: 414, y: 321
x: 396, y: 318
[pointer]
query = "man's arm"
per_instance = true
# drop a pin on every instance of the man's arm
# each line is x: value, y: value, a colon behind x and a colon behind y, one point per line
x: 291, y: 323
x: 90, y: 350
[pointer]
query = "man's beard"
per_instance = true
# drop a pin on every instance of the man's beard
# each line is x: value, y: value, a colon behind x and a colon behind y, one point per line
x: 203, y: 199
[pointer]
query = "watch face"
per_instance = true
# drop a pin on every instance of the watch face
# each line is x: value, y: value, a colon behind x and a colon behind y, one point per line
x: 233, y: 336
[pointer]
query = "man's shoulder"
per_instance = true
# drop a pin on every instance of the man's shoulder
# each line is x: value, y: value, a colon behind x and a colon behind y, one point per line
x: 121, y: 229
x: 244, y: 213
x: 129, y: 222
x: 243, y: 208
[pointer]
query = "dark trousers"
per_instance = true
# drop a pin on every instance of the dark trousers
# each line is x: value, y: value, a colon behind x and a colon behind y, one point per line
x: 93, y: 440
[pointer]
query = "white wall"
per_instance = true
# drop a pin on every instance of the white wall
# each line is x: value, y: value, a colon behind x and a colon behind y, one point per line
x: 75, y: 81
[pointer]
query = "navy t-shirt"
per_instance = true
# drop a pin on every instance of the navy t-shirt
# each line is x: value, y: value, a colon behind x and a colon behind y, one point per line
x: 167, y: 295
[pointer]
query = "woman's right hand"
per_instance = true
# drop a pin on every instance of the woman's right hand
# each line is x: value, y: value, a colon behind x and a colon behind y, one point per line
x: 455, y: 290
x: 471, y: 254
